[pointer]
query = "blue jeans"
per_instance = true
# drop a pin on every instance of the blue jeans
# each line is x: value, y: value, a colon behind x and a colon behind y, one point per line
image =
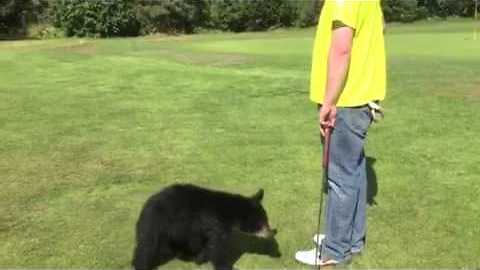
x: 347, y: 185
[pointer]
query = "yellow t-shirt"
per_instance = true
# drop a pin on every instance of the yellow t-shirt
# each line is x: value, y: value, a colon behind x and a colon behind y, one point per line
x: 366, y: 78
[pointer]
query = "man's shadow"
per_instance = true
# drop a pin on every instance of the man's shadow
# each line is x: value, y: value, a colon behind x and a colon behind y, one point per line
x: 372, y: 186
x: 242, y: 243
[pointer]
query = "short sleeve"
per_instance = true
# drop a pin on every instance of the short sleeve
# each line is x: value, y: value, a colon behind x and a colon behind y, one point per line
x: 346, y: 11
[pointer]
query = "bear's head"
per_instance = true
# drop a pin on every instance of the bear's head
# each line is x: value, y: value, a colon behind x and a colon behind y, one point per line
x: 255, y: 220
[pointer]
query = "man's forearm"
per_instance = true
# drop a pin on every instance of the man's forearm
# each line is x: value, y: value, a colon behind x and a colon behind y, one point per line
x: 337, y: 72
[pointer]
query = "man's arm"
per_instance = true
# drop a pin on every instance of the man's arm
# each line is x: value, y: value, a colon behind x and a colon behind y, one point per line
x: 338, y: 64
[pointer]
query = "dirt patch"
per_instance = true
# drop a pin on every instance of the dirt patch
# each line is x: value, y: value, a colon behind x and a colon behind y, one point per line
x: 475, y: 92
x: 469, y: 90
x: 83, y: 48
x: 165, y: 37
x: 209, y: 59
x: 68, y: 46
x: 7, y: 223
x: 26, y: 45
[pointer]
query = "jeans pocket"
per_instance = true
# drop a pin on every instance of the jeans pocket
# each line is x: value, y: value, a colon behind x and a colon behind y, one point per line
x: 360, y: 120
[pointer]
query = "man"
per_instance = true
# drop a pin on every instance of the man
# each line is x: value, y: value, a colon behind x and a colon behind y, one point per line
x: 348, y: 73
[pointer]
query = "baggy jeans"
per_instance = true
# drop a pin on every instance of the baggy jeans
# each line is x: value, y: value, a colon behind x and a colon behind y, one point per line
x: 345, y: 230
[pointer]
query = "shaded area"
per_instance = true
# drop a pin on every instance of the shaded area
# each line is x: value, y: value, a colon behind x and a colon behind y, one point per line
x: 242, y: 243
x: 238, y: 245
x: 372, y: 186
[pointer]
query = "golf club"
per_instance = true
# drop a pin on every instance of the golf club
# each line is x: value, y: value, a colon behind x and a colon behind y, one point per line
x: 323, y: 186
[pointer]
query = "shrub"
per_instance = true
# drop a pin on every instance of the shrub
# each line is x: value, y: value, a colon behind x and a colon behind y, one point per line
x: 170, y: 15
x: 308, y: 12
x: 455, y: 7
x: 44, y: 31
x: 247, y: 15
x: 103, y: 18
x: 403, y: 10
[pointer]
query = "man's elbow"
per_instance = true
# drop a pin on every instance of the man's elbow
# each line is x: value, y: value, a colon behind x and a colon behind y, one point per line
x: 342, y: 41
x: 342, y: 51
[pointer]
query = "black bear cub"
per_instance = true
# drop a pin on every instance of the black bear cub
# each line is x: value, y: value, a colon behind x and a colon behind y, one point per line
x: 194, y: 224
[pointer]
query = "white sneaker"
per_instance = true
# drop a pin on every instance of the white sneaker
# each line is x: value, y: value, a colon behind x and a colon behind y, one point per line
x: 318, y: 238
x: 311, y: 257
x: 308, y: 257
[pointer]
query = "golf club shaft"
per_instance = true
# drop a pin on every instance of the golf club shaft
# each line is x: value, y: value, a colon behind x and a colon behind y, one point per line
x: 323, y: 186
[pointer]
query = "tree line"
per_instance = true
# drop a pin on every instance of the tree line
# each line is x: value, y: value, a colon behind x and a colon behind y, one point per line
x: 107, y: 18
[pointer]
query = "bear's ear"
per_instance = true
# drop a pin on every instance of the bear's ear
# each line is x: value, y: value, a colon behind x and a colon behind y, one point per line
x: 258, y: 196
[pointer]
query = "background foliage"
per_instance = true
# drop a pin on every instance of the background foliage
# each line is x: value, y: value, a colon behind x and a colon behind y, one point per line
x: 105, y: 18
x: 96, y: 17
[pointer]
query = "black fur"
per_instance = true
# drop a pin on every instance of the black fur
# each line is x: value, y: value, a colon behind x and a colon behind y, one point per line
x: 194, y: 224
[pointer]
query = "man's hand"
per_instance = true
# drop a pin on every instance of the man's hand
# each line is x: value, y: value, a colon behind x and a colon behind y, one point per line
x: 327, y: 116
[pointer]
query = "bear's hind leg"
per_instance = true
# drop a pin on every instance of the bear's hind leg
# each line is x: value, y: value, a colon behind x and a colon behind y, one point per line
x: 144, y: 256
x: 149, y: 256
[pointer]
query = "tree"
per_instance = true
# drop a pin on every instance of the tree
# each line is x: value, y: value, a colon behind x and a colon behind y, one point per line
x: 444, y: 8
x: 13, y: 16
x: 403, y: 10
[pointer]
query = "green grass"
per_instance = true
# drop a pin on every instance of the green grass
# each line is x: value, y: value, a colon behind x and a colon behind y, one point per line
x: 90, y: 128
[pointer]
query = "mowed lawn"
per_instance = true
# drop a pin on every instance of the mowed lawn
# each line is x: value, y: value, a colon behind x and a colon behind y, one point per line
x: 89, y: 129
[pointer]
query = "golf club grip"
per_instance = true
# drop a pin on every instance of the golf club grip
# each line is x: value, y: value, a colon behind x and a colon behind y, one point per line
x: 326, y: 147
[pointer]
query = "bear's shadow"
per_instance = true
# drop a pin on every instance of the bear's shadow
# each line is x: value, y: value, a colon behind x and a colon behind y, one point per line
x: 242, y: 243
